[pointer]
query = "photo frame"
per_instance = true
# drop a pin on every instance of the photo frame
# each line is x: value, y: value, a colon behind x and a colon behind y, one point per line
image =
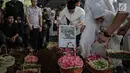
x: 67, y: 33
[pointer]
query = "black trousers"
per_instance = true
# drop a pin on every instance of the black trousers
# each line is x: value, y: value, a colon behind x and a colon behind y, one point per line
x: 35, y: 39
x: 4, y: 40
x: 26, y: 36
x: 78, y: 40
x: 18, y: 41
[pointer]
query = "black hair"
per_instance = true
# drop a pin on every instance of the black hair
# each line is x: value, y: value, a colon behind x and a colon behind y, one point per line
x: 44, y: 10
x: 9, y: 14
x: 71, y: 5
x: 1, y: 1
x: 77, y: 1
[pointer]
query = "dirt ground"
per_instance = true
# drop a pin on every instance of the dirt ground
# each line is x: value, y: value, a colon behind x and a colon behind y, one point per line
x: 48, y: 60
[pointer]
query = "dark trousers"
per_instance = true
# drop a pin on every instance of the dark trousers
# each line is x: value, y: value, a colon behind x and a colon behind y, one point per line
x: 78, y: 40
x: 26, y: 36
x: 2, y: 38
x: 18, y: 41
x: 35, y: 38
x: 47, y: 35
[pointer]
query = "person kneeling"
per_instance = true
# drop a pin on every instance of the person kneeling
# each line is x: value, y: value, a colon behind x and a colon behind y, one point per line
x: 10, y: 31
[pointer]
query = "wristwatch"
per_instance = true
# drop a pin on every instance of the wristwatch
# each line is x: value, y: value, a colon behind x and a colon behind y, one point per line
x: 106, y: 34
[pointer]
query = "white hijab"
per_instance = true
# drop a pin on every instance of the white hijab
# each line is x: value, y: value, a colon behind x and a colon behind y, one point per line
x: 97, y: 11
x: 52, y: 17
x: 106, y: 4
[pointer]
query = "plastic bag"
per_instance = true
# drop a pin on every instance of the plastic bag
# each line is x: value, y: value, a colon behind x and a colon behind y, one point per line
x: 126, y: 41
x: 126, y: 46
x: 99, y: 49
x: 114, y: 44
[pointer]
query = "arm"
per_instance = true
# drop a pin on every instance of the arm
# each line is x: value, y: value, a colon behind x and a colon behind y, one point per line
x: 82, y: 18
x: 27, y: 19
x: 40, y: 23
x: 16, y: 35
x: 28, y: 22
x: 22, y: 9
x: 16, y: 31
x: 61, y: 16
x: 109, y: 5
x: 118, y: 20
x: 40, y: 18
x: 81, y: 23
x: 128, y: 25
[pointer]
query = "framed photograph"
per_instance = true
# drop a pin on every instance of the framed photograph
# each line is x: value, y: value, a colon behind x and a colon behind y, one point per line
x: 67, y: 33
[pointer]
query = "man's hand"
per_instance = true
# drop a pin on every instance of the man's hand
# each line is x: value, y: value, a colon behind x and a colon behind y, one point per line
x: 122, y: 30
x: 13, y: 38
x: 30, y: 27
x: 102, y: 38
x: 82, y: 28
x: 40, y: 29
x: 128, y: 18
x: 77, y: 26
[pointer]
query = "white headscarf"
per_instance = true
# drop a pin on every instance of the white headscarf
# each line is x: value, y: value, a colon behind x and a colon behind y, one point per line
x: 52, y: 17
x: 97, y: 10
x: 48, y: 8
x: 53, y: 11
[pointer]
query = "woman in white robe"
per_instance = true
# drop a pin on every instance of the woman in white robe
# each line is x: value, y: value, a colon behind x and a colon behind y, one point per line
x: 103, y: 19
x: 88, y: 35
x: 106, y: 4
x: 52, y: 18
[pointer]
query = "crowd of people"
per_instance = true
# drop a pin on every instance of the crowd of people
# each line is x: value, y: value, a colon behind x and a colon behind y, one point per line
x: 31, y: 27
x: 98, y: 20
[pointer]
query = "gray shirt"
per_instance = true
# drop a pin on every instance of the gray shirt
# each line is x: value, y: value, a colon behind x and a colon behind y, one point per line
x: 34, y: 16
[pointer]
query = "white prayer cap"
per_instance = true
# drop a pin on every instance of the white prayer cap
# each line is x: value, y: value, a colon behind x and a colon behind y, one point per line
x: 45, y: 7
x: 53, y: 11
x: 48, y: 8
x: 97, y: 10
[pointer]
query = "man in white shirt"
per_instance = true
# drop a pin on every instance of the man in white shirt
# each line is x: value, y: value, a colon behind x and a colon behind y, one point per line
x: 72, y: 15
x: 34, y: 21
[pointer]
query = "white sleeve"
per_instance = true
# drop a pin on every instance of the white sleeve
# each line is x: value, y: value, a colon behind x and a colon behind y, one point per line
x: 109, y: 5
x: 27, y: 11
x: 87, y: 6
x: 40, y: 12
x: 61, y: 15
x: 62, y: 19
